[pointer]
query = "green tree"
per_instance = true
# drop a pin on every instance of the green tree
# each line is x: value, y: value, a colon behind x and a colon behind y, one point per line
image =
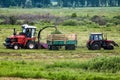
x: 28, y: 4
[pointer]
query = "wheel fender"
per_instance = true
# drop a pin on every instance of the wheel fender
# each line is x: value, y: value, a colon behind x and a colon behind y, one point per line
x: 92, y: 42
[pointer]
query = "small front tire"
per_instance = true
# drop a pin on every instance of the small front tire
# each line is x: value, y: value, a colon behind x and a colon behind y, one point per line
x: 109, y: 47
x: 16, y: 46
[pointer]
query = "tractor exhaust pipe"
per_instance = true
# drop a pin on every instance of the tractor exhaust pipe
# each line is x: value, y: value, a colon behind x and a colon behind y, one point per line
x: 14, y: 31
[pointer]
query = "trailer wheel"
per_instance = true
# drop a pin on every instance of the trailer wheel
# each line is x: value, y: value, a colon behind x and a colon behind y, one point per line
x: 15, y: 46
x: 55, y: 47
x: 70, y: 47
x: 95, y: 46
x: 31, y: 45
x: 50, y: 47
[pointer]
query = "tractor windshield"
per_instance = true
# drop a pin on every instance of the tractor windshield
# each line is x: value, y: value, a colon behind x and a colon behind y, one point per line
x: 96, y: 37
x: 30, y: 32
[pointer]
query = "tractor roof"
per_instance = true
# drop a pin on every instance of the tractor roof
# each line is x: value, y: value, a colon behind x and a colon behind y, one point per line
x: 27, y: 26
x: 96, y: 33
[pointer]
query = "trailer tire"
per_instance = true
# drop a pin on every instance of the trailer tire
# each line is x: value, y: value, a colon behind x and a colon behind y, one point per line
x: 55, y: 47
x: 31, y: 45
x: 50, y: 47
x: 70, y: 47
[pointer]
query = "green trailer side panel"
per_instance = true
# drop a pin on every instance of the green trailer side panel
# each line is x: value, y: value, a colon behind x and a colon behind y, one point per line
x: 71, y: 42
x: 61, y: 42
x: 49, y: 42
x: 58, y: 42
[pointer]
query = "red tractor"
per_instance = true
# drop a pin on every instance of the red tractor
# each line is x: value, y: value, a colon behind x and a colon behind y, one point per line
x: 26, y: 38
x: 96, y: 42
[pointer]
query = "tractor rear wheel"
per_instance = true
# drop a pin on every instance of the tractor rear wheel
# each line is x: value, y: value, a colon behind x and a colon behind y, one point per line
x: 16, y: 46
x: 95, y: 46
x: 31, y: 45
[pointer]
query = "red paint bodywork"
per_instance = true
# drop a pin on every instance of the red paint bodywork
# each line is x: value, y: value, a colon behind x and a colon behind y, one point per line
x: 107, y: 41
x: 21, y: 39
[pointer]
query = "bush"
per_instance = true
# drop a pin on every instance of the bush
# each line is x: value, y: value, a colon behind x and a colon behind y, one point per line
x: 73, y: 15
x: 12, y: 20
x: 70, y: 23
x: 105, y: 64
x: 101, y: 20
x: 117, y: 17
x: 115, y: 21
x: 93, y: 25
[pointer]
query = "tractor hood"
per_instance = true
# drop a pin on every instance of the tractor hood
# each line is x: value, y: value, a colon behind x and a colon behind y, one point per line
x: 17, y: 36
x: 109, y: 41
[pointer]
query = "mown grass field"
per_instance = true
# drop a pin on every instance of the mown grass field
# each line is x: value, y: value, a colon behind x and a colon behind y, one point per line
x: 61, y: 65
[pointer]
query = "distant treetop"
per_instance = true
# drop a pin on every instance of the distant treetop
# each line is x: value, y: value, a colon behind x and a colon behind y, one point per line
x: 59, y: 3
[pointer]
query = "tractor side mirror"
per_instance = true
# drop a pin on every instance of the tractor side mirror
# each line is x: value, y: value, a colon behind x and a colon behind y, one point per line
x: 105, y: 36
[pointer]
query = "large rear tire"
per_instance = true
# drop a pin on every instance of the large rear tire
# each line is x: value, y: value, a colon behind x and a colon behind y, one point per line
x: 95, y: 46
x: 31, y: 45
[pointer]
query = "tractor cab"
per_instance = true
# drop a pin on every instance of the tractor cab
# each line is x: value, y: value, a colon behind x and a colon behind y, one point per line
x: 96, y: 36
x: 29, y: 31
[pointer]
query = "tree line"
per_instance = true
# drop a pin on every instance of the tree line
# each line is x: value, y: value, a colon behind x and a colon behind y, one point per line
x: 59, y: 3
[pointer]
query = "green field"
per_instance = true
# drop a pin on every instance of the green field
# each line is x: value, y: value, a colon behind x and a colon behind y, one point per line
x: 103, y: 11
x: 81, y: 64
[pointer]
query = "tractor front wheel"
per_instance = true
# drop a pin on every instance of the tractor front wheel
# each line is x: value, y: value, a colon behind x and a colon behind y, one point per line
x: 95, y: 46
x: 31, y: 45
x: 109, y: 47
x: 16, y: 46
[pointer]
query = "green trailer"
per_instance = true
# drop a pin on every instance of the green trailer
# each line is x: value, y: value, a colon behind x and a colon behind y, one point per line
x: 57, y: 41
